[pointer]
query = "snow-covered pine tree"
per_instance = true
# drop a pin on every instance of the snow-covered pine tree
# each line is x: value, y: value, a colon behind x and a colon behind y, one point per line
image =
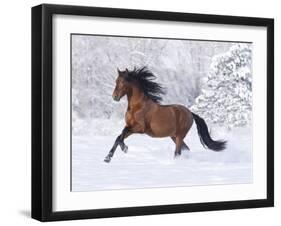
x: 226, y: 97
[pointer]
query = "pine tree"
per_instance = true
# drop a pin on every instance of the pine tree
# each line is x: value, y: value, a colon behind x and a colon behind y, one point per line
x: 226, y: 97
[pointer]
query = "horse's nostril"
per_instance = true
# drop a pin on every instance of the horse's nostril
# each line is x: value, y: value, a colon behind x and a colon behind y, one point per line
x: 116, y: 98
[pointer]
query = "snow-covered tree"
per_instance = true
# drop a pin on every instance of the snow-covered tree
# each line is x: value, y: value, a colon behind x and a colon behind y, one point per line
x: 226, y: 97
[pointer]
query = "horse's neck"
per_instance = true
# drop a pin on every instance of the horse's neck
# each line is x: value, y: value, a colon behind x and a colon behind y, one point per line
x: 135, y: 98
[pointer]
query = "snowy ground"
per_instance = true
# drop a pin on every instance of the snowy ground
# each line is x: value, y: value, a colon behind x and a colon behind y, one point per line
x: 150, y: 161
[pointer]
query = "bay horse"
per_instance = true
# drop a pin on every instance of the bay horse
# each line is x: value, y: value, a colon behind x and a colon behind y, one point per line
x: 145, y: 114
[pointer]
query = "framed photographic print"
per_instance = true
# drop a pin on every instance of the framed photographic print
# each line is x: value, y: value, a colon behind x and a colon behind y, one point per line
x: 145, y: 112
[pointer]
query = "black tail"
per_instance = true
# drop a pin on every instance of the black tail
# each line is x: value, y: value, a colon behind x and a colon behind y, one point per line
x: 205, y: 137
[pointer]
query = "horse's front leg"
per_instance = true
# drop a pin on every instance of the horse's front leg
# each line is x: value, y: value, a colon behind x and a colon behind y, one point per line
x: 125, y: 133
x: 119, y: 141
x: 123, y: 146
x: 112, y: 150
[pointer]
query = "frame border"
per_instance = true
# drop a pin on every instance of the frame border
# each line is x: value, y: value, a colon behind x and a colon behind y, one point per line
x: 41, y: 201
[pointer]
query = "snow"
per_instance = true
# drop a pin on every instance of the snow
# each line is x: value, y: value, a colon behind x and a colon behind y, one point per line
x: 150, y: 161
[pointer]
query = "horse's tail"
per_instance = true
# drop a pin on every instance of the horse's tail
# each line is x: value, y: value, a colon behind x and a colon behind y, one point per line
x: 205, y: 137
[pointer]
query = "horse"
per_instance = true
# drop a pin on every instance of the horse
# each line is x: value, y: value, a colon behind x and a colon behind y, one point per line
x: 146, y: 115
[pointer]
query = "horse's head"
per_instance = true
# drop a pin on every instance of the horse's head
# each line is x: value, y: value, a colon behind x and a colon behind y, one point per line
x: 122, y: 86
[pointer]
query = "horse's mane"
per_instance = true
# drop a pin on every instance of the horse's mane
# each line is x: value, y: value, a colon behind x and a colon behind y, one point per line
x: 143, y: 78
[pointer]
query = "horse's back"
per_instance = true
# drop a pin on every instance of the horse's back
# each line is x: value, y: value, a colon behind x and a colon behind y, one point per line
x: 179, y: 109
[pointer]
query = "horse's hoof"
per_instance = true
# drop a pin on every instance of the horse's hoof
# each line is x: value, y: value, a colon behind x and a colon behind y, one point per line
x: 107, y: 159
x: 125, y: 149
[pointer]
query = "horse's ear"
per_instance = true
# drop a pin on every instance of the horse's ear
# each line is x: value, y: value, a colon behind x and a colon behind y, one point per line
x: 126, y: 74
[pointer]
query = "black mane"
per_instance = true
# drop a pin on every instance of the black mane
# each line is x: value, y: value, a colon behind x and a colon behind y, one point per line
x: 143, y: 78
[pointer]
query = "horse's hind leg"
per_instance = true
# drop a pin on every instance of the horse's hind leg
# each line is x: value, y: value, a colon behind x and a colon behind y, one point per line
x: 184, y: 145
x: 179, y: 142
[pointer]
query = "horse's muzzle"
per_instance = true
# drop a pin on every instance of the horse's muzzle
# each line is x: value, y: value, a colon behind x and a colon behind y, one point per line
x: 116, y: 98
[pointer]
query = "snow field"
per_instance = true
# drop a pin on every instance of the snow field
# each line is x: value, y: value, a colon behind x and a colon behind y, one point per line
x: 150, y: 162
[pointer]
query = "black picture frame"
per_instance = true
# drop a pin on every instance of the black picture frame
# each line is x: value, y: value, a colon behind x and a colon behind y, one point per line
x: 42, y: 106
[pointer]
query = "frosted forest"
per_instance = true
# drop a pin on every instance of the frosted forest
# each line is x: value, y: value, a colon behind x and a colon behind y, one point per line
x: 212, y: 78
